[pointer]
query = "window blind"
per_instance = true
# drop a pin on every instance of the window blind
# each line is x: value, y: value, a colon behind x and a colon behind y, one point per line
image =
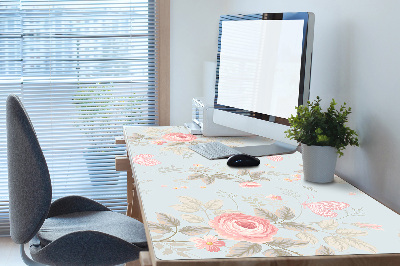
x: 83, y: 69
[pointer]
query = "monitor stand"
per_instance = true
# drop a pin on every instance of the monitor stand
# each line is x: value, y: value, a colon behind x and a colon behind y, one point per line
x: 265, y: 150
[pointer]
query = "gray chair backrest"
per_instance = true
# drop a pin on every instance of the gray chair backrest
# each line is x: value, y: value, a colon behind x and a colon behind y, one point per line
x: 29, y: 183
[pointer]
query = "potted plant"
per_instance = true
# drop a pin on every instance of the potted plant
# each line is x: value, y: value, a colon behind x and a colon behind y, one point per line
x: 323, y: 136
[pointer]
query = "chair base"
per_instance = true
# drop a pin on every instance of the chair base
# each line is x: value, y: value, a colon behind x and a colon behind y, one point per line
x: 26, y: 259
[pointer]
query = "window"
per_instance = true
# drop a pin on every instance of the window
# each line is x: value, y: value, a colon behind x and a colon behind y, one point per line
x: 83, y: 69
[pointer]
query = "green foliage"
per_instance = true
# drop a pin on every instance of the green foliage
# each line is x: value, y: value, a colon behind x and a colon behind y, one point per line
x: 95, y: 103
x: 314, y: 127
x: 100, y: 106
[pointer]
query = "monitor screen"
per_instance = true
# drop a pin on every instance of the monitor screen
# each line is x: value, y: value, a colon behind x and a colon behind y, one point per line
x: 263, y: 72
x: 260, y: 63
x: 264, y: 64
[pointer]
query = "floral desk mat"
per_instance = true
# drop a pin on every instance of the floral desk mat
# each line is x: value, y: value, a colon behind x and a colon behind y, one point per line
x: 200, y: 209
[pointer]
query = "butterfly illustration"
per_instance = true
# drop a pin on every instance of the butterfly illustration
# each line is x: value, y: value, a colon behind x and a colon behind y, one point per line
x: 325, y: 208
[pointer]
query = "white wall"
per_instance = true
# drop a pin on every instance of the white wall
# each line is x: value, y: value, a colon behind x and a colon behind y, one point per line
x: 356, y: 59
x: 194, y: 41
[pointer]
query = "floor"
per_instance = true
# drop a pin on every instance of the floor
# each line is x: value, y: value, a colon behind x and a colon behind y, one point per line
x: 10, y: 256
x: 9, y: 253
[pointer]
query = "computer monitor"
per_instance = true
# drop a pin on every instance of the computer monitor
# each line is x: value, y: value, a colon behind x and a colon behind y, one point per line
x: 263, y: 73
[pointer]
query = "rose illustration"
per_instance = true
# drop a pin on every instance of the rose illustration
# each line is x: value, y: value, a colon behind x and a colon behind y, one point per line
x: 250, y: 184
x: 276, y: 158
x: 242, y: 227
x: 158, y: 142
x: 145, y: 159
x: 274, y: 197
x: 181, y: 137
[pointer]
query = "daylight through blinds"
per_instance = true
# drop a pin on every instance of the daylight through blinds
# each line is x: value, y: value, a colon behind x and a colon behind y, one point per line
x: 83, y: 69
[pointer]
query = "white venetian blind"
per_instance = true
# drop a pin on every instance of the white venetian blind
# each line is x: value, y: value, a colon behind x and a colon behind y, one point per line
x: 83, y: 69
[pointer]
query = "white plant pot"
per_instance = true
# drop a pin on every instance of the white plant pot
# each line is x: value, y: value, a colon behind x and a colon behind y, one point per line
x: 319, y: 163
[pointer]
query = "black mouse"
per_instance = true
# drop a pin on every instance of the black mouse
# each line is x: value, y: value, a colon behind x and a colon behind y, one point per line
x: 242, y: 160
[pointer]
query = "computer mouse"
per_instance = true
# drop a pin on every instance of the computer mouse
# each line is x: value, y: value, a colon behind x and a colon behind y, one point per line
x: 242, y: 160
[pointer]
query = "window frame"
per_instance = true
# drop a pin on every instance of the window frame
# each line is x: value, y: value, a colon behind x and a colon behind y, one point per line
x: 163, y: 88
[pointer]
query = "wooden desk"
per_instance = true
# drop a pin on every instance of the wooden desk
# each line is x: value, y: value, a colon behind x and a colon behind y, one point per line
x: 198, y: 211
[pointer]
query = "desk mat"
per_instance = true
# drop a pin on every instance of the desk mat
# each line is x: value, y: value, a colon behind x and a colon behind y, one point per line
x: 202, y: 209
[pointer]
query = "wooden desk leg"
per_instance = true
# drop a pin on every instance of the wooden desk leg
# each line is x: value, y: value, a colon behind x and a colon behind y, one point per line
x: 145, y: 259
x: 129, y: 193
x: 133, y: 263
x: 135, y: 208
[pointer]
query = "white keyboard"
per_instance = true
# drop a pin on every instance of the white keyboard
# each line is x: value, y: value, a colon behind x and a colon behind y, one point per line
x: 214, y: 150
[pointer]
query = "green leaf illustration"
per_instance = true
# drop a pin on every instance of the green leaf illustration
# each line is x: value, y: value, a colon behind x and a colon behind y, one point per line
x: 214, y: 204
x: 264, y: 213
x: 359, y: 244
x: 244, y: 249
x: 195, y: 176
x: 281, y: 242
x: 307, y: 237
x: 276, y: 253
x: 168, y: 251
x: 351, y: 232
x: 257, y: 174
x: 191, y: 218
x: 186, y: 208
x: 222, y: 176
x: 188, y: 205
x: 194, y: 230
x: 328, y: 224
x: 243, y: 172
x: 167, y: 220
x: 337, y: 242
x: 219, y: 212
x: 190, y: 201
x: 182, y: 254
x: 285, y: 213
x: 323, y: 250
x: 159, y: 228
x: 298, y: 227
x: 208, y: 180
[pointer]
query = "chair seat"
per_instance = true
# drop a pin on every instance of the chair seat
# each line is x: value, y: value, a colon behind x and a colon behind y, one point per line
x: 108, y: 222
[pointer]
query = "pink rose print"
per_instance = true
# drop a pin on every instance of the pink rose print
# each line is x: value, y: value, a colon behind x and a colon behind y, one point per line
x: 210, y: 243
x: 250, y: 184
x: 296, y: 177
x: 274, y: 197
x: 276, y: 158
x: 292, y: 180
x: 181, y: 137
x: 158, y: 142
x: 324, y: 208
x: 144, y: 159
x: 369, y: 226
x: 239, y: 226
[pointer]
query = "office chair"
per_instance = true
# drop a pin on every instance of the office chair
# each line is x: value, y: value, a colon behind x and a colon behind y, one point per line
x: 70, y: 231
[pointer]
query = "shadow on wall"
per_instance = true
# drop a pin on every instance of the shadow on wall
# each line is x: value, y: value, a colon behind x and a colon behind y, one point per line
x: 371, y: 166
